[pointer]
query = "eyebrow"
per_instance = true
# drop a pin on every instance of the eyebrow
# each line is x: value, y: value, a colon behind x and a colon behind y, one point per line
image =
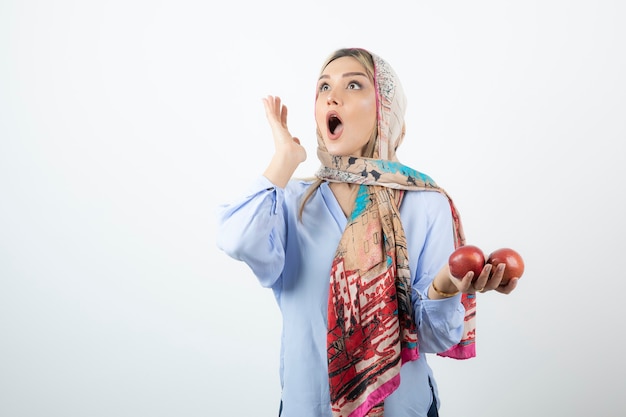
x: 347, y: 74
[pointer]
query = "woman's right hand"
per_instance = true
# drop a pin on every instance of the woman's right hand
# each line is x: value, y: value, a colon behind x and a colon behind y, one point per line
x: 289, y: 153
x: 276, y: 113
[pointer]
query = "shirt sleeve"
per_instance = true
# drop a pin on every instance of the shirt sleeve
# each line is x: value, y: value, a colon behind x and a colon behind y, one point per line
x: 252, y: 229
x: 440, y: 322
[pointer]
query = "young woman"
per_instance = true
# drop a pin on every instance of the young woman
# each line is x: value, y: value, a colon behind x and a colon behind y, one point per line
x: 357, y: 257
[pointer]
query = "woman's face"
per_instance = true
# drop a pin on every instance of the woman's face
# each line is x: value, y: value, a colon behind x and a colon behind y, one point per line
x: 345, y: 107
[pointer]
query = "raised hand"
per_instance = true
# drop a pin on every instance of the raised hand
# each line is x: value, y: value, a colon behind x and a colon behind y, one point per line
x: 289, y: 153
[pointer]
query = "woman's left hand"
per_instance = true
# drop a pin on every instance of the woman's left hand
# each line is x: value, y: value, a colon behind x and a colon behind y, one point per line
x: 488, y: 280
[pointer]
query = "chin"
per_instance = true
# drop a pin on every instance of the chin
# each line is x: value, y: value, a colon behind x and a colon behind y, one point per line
x: 337, y: 152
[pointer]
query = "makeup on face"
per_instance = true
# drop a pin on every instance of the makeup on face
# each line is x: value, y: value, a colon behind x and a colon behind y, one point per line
x: 345, y: 107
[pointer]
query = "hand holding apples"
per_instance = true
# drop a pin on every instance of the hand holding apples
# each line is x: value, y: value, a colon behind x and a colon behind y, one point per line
x: 499, y: 271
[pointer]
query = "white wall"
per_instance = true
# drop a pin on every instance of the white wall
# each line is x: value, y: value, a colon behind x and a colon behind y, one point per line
x: 124, y: 123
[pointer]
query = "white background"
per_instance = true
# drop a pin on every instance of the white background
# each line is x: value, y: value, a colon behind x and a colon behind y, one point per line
x: 123, y: 124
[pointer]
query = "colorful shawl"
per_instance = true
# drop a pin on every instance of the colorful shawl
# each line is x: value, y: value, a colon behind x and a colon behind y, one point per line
x: 371, y: 327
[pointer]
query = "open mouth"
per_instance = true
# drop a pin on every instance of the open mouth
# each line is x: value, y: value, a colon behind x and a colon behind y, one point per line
x: 335, y: 126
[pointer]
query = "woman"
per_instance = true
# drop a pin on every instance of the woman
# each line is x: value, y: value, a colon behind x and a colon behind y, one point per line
x: 356, y: 258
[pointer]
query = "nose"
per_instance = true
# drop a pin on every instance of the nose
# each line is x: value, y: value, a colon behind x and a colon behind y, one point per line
x: 332, y: 99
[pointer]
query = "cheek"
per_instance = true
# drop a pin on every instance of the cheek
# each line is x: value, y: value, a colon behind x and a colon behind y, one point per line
x: 368, y: 110
x: 319, y: 115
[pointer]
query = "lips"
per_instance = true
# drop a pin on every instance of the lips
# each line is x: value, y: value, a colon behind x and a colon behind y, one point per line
x: 334, y: 124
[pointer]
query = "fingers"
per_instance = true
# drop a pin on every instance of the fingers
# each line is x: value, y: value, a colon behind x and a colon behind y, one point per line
x: 488, y: 279
x: 285, y: 144
x: 464, y: 284
x: 494, y: 282
x: 275, y: 111
x: 283, y: 115
x: 271, y: 103
x: 482, y: 283
x: 509, y: 287
x: 494, y: 277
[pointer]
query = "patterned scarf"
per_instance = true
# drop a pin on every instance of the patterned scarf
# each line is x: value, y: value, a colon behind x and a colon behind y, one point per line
x: 371, y: 326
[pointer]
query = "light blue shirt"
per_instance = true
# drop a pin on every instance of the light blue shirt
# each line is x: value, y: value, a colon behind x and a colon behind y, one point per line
x: 293, y: 258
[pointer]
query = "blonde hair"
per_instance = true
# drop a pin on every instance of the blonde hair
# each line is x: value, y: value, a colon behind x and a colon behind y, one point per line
x: 365, y: 59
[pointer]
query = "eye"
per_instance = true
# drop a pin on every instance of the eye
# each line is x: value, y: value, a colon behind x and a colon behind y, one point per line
x: 354, y: 85
x: 323, y: 87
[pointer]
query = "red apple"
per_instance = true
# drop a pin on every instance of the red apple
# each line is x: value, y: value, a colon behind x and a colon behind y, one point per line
x: 512, y: 259
x: 466, y: 258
